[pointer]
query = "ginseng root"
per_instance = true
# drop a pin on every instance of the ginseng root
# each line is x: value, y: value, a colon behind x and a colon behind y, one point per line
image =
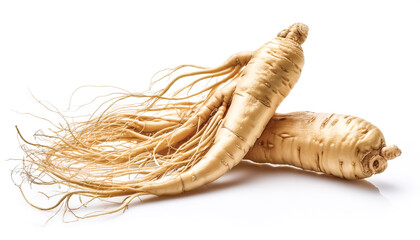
x: 188, y: 144
x: 339, y: 145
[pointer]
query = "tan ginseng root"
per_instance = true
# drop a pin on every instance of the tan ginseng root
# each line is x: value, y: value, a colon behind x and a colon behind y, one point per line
x: 339, y: 145
x: 128, y: 151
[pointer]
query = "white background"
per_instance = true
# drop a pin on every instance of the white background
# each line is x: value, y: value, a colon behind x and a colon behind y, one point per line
x: 362, y: 58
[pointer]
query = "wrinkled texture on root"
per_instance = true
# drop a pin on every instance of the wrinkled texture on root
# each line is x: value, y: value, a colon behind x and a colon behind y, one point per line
x: 340, y: 145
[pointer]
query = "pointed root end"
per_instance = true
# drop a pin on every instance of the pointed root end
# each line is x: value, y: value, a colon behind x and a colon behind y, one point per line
x: 390, y: 152
x: 297, y: 32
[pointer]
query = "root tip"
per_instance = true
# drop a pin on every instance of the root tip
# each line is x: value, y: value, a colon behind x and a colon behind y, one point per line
x: 390, y: 152
x: 297, y: 32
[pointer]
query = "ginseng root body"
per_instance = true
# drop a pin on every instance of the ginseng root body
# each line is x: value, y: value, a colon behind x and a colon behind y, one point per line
x: 340, y: 145
x: 165, y: 155
x: 267, y: 79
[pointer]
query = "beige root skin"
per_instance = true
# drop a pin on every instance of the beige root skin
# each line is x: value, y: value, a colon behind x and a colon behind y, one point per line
x: 270, y: 74
x: 163, y: 156
x: 340, y: 145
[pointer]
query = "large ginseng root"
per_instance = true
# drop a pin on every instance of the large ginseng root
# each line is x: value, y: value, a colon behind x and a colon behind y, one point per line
x: 130, y: 151
x: 340, y: 145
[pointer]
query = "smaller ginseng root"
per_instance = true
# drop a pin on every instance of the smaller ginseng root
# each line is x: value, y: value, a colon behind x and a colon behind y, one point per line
x: 340, y: 145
